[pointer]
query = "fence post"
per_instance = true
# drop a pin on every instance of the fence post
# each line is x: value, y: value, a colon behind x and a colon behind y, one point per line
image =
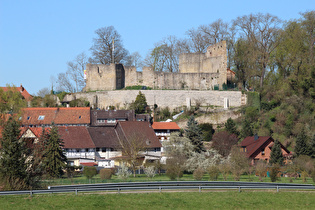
x: 160, y: 188
x: 199, y: 188
x: 118, y: 190
x: 239, y: 189
x: 76, y: 191
x: 31, y: 193
x: 277, y: 188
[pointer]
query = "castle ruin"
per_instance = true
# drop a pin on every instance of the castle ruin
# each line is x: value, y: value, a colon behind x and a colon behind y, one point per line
x: 197, y: 71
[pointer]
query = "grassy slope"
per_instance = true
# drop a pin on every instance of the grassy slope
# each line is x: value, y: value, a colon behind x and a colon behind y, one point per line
x: 180, y: 200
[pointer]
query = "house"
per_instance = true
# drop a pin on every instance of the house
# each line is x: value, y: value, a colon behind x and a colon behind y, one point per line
x: 163, y: 130
x: 230, y: 75
x: 20, y: 89
x: 92, y: 136
x: 259, y: 148
x: 61, y: 116
x: 111, y: 117
x: 78, y: 145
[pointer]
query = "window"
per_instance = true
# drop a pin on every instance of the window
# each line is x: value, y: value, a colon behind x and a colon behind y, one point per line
x: 41, y: 117
x: 103, y: 149
x: 28, y: 118
x: 111, y: 120
x: 263, y: 151
x: 101, y: 120
x: 80, y: 117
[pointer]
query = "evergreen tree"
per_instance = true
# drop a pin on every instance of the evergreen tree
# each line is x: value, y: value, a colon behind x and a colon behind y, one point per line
x: 13, y: 164
x: 276, y: 156
x: 207, y: 131
x: 246, y: 129
x: 140, y: 104
x: 36, y: 169
x: 194, y: 134
x: 301, y: 146
x: 54, y: 158
x: 230, y: 127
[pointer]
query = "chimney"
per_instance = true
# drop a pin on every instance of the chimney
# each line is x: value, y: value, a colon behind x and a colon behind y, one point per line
x: 256, y: 137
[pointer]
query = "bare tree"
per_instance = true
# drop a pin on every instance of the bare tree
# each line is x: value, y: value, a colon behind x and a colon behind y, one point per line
x: 198, y: 41
x: 131, y: 150
x: 64, y: 83
x: 239, y: 162
x: 260, y: 30
x: 135, y: 60
x: 108, y: 47
x: 165, y: 55
x: 215, y: 32
x: 76, y: 71
x: 43, y: 92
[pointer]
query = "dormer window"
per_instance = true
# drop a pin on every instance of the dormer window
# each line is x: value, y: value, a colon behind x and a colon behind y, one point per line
x: 101, y: 120
x: 28, y: 118
x: 111, y: 120
x: 41, y: 117
x: 80, y: 117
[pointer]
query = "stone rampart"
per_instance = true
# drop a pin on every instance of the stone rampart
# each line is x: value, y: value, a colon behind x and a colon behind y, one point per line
x: 163, y: 98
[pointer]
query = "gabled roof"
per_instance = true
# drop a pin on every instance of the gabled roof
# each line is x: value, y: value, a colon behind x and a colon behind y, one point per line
x: 254, y: 146
x: 20, y: 89
x: 75, y: 137
x: 61, y: 116
x: 104, y: 137
x: 140, y: 130
x: 165, y: 126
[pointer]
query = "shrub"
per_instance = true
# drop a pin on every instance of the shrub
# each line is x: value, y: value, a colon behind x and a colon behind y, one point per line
x: 213, y: 172
x: 198, y: 174
x: 106, y: 173
x: 150, y: 171
x: 89, y: 171
x: 70, y: 170
x: 123, y: 172
x: 175, y: 167
x: 274, y: 170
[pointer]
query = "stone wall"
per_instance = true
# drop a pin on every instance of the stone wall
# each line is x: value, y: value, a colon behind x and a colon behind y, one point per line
x: 163, y: 98
x: 197, y: 71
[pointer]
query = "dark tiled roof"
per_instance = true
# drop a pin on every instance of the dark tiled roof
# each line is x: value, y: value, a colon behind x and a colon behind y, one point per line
x: 75, y: 137
x: 127, y: 115
x: 165, y: 126
x: 104, y: 137
x: 138, y: 130
x: 254, y: 146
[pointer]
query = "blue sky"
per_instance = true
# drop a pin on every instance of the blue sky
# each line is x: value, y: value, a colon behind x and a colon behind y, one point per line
x: 38, y: 37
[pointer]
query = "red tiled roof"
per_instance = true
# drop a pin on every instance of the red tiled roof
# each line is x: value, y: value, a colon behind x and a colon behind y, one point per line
x: 20, y: 89
x: 71, y: 115
x: 89, y: 164
x: 139, y: 130
x: 165, y: 126
x: 75, y: 137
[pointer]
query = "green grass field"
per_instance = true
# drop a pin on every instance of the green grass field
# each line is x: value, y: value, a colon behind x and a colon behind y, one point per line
x: 178, y: 200
x: 186, y: 177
